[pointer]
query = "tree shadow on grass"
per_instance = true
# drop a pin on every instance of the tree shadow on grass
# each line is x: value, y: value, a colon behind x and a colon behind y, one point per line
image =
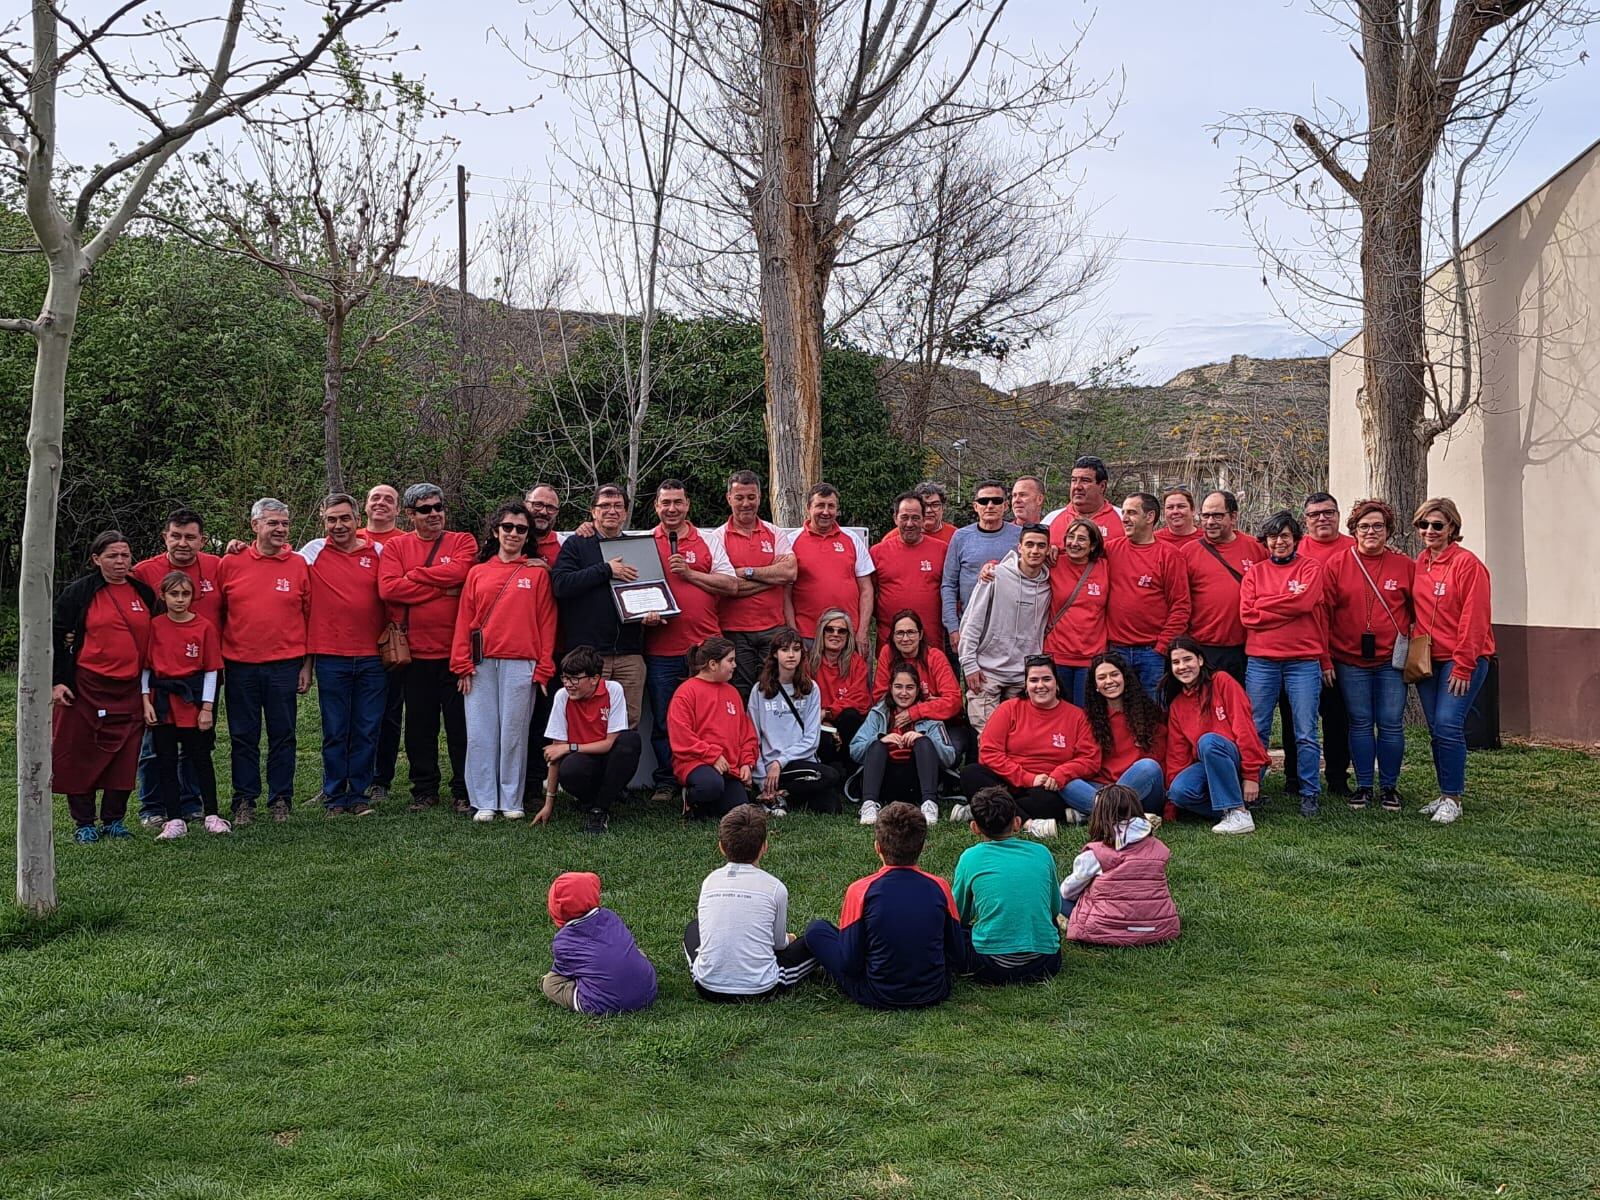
x: 21, y: 931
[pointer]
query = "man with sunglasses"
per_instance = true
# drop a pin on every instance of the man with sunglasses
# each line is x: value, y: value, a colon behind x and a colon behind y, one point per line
x: 974, y: 546
x: 1322, y: 542
x: 419, y: 577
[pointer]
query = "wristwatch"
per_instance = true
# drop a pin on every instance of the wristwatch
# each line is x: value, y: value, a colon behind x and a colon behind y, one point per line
x: 749, y: 572
x: 572, y: 747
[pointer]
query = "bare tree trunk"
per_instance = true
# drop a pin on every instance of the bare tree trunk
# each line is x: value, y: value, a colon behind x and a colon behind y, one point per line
x: 36, y: 855
x: 332, y: 392
x: 786, y: 238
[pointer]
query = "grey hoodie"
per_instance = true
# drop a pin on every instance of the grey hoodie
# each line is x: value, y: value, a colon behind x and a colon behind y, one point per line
x: 1004, y: 623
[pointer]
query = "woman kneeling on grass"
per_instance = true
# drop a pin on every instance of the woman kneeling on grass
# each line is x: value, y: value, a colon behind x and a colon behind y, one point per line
x: 1117, y: 894
x: 180, y: 692
x: 713, y: 742
x: 1214, y: 756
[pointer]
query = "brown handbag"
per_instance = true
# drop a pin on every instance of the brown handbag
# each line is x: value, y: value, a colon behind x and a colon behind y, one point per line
x: 394, y: 643
x: 1419, y: 659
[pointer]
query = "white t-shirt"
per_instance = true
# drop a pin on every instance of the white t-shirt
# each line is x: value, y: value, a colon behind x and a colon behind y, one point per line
x: 744, y: 919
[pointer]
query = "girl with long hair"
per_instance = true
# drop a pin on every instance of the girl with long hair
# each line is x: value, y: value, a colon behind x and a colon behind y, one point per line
x: 786, y: 709
x: 1132, y: 734
x: 714, y: 746
x: 899, y: 761
x: 1214, y: 755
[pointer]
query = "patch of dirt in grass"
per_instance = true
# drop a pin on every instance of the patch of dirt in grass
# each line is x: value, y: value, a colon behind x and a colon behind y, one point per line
x: 285, y: 1138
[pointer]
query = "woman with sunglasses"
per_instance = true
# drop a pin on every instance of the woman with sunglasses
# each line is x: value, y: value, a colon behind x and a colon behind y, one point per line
x: 840, y: 671
x: 504, y: 643
x: 1452, y: 603
x: 1369, y: 607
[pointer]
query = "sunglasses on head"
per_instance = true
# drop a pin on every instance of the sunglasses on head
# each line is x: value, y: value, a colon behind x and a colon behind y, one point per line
x: 1038, y: 660
x: 512, y: 527
x: 425, y: 509
x: 1435, y: 526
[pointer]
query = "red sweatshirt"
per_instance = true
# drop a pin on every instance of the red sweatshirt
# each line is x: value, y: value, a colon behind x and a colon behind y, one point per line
x: 380, y: 539
x: 943, y: 693
x: 1213, y: 592
x: 1354, y: 607
x: 1125, y: 751
x: 699, y: 618
x: 178, y: 651
x: 706, y: 721
x: 1022, y: 740
x: 1452, y: 602
x: 1283, y: 610
x: 116, y: 633
x: 513, y: 604
x: 908, y: 577
x: 417, y: 594
x: 764, y: 610
x: 1108, y: 520
x: 347, y: 617
x: 546, y: 548
x: 202, y: 574
x: 1080, y: 634
x: 1149, y: 594
x: 1322, y: 551
x: 265, y: 602
x: 1166, y: 535
x: 1225, y: 711
x: 849, y: 692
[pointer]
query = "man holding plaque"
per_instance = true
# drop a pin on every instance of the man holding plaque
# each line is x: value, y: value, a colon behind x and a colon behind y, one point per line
x: 698, y: 572
x: 587, y: 614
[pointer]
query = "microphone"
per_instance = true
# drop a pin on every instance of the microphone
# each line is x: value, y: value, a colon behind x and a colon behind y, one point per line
x: 672, y: 541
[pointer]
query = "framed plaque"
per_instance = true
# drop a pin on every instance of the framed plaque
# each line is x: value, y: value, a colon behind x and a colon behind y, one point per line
x: 650, y: 592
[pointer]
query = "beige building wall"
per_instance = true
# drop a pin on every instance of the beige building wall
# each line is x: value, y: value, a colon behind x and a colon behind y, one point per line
x: 1525, y: 467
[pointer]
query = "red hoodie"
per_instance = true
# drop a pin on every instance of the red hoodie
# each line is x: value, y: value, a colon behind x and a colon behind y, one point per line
x: 265, y: 602
x: 1080, y: 634
x: 706, y: 721
x: 1214, y: 592
x: 347, y: 617
x: 416, y: 593
x: 1452, y: 602
x: 942, y: 694
x: 1125, y: 750
x: 513, y: 604
x: 1150, y: 587
x: 1354, y: 607
x: 1225, y: 711
x: 848, y: 693
x: 1283, y: 611
x: 1023, y: 740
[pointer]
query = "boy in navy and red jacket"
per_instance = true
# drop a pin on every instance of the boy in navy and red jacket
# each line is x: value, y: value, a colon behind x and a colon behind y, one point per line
x: 899, y: 940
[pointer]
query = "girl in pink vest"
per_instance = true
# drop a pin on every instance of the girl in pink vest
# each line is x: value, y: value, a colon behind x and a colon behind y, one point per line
x: 1117, y: 894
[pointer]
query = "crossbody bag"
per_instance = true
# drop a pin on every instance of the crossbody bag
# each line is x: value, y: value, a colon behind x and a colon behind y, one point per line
x: 1073, y: 595
x: 477, y: 634
x: 394, y: 643
x: 1205, y: 544
x: 1402, y: 642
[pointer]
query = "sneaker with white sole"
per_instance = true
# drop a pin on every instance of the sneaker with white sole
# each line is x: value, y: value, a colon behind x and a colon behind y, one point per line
x: 1040, y: 827
x: 1236, y: 820
x: 483, y: 816
x: 1074, y: 817
x: 869, y: 812
x: 960, y: 814
x: 930, y: 812
x: 215, y: 824
x: 512, y: 814
x: 1449, y: 810
x: 777, y: 810
x: 172, y: 830
x: 1431, y: 807
x: 152, y: 820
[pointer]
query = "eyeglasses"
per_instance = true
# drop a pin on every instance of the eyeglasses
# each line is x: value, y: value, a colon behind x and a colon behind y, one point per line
x: 513, y: 527
x: 569, y: 680
x: 907, y: 633
x: 1373, y: 527
x: 1323, y: 514
x: 834, y: 631
x: 543, y: 506
x: 1434, y: 526
x: 423, y: 510
x: 989, y: 500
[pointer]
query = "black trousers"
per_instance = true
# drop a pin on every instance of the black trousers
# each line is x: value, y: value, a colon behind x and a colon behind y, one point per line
x: 795, y: 962
x: 915, y: 779
x: 749, y: 651
x: 1033, y: 803
x: 713, y: 794
x: 820, y: 794
x: 836, y: 752
x: 598, y: 780
x: 1335, y: 741
x: 394, y: 707
x: 196, y: 746
x: 1229, y: 660
x: 989, y: 968
x: 431, y: 696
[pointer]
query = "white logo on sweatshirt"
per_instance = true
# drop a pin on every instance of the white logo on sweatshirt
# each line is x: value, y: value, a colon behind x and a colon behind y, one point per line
x: 525, y: 585
x: 364, y: 563
x: 281, y: 586
x: 1093, y: 589
x: 191, y: 649
x: 1391, y: 585
x: 1146, y: 581
x: 838, y: 547
x: 766, y: 546
x: 1295, y: 586
x: 135, y: 606
x: 925, y: 565
x: 206, y: 588
x: 1438, y: 588
x: 1058, y: 740
x: 1246, y: 563
x: 1221, y: 713
x: 732, y: 711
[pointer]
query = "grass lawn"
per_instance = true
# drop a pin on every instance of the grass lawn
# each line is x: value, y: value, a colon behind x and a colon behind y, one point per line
x: 1360, y: 1006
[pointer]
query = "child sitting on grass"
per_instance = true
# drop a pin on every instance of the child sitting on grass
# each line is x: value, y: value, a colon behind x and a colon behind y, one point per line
x: 597, y: 966
x: 899, y: 941
x: 1117, y: 894
x: 738, y: 946
x: 1005, y: 891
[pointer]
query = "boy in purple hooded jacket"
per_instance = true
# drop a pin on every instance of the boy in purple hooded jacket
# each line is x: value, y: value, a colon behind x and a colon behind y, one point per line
x: 597, y: 967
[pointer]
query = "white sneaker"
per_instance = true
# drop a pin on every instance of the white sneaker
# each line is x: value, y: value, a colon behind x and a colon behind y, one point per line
x: 1040, y: 827
x: 1431, y: 807
x: 512, y: 814
x: 960, y: 814
x: 869, y: 812
x: 930, y: 812
x: 1449, y: 810
x: 483, y: 816
x: 152, y: 820
x: 1074, y: 817
x: 1237, y: 820
x: 777, y: 810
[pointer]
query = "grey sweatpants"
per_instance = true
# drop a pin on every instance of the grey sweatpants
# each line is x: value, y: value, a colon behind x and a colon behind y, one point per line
x: 498, y: 708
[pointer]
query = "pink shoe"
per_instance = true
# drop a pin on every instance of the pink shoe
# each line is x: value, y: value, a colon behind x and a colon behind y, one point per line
x: 171, y: 831
x: 215, y: 824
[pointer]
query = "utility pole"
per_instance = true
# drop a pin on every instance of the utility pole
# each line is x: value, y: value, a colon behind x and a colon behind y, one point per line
x: 461, y: 239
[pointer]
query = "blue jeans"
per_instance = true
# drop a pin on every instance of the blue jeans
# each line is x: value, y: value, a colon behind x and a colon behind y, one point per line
x: 1144, y: 776
x: 1212, y: 783
x: 1071, y: 682
x: 1147, y: 665
x: 1375, y: 698
x: 258, y: 692
x: 662, y: 675
x: 353, y: 693
x: 150, y: 784
x: 1447, y: 719
x: 1301, y: 678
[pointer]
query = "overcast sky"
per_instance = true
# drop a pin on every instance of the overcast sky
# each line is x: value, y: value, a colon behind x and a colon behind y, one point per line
x: 1186, y: 287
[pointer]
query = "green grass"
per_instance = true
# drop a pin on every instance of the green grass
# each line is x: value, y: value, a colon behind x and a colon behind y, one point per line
x: 1360, y: 1006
